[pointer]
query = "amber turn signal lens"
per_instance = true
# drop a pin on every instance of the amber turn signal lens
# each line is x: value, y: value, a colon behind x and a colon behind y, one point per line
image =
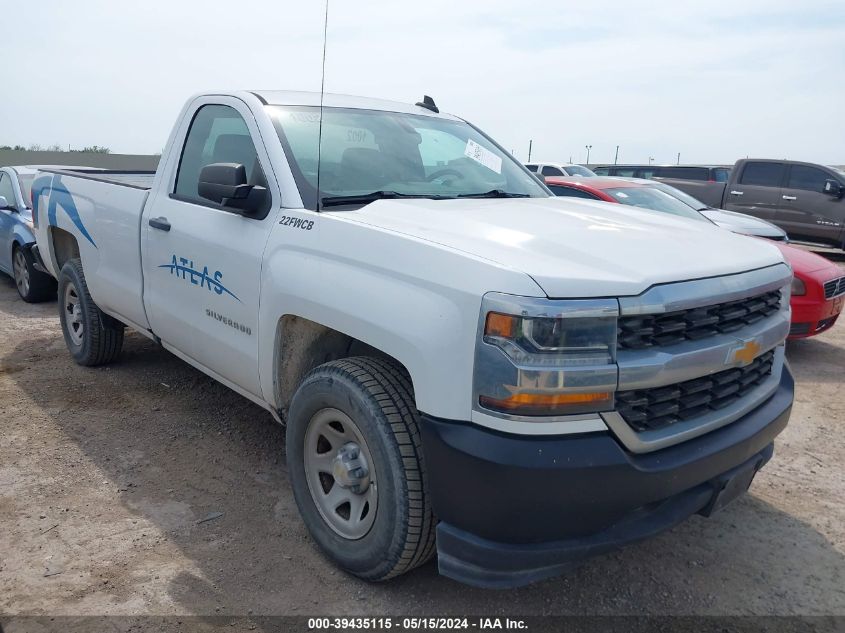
x: 546, y: 404
x: 503, y: 325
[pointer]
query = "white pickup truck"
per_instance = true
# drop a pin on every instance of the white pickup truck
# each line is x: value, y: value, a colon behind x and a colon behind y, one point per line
x: 465, y: 364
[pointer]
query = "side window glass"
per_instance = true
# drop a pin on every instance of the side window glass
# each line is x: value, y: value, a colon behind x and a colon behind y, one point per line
x: 551, y: 171
x: 721, y: 175
x: 6, y: 190
x: 218, y: 134
x: 531, y: 168
x: 571, y: 192
x: 805, y: 177
x: 762, y: 174
x: 682, y: 173
x: 601, y: 171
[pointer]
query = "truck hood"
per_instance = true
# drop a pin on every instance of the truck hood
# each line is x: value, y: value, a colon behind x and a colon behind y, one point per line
x: 574, y: 248
x: 745, y: 224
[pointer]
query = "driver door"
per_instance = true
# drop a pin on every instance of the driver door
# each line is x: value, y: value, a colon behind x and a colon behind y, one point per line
x: 203, y: 260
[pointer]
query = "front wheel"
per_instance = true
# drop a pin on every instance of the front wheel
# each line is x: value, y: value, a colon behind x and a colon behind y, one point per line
x: 357, y: 470
x: 33, y: 285
x: 92, y: 337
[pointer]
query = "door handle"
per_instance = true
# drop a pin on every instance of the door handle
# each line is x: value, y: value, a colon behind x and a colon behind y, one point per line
x: 160, y: 223
x: 736, y: 193
x: 789, y: 197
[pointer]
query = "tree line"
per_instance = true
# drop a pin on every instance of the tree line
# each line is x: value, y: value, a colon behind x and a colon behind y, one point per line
x: 91, y: 149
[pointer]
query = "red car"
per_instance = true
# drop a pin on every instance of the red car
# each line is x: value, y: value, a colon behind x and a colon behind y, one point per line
x: 818, y: 287
x: 818, y: 292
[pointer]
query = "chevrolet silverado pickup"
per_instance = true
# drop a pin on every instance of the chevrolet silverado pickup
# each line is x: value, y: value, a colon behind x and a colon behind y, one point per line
x: 465, y: 364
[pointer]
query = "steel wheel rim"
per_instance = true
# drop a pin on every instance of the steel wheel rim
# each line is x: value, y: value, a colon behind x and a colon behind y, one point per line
x: 342, y: 487
x: 73, y: 315
x: 21, y: 273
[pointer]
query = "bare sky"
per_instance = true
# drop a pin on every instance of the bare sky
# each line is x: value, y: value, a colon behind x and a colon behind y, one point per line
x: 712, y: 80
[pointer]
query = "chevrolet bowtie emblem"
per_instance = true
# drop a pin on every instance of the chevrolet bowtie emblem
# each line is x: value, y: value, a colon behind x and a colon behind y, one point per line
x: 744, y: 353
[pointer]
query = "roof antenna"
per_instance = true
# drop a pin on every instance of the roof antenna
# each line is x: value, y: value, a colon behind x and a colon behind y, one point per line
x: 322, y: 92
x: 427, y: 102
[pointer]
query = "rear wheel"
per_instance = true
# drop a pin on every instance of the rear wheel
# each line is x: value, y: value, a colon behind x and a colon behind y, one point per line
x: 33, y: 285
x: 92, y: 337
x: 357, y: 470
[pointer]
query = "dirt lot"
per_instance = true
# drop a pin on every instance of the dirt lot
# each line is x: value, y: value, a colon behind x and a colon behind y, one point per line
x: 107, y: 474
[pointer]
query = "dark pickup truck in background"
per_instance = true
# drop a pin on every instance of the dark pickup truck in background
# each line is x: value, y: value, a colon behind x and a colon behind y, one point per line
x: 804, y: 199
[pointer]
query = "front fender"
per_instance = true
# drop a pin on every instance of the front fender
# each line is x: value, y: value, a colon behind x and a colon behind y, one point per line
x: 22, y: 235
x: 413, y: 300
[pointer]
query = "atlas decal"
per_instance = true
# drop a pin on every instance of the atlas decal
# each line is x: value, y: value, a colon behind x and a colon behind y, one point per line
x: 183, y: 268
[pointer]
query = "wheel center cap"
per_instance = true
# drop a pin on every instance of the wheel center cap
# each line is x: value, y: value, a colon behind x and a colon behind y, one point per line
x: 350, y: 468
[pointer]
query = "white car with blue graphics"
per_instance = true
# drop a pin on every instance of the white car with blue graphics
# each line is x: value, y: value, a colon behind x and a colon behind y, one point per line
x: 465, y: 364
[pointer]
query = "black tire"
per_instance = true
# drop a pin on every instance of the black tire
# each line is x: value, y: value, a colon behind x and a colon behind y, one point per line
x: 92, y: 337
x: 33, y: 285
x: 377, y: 395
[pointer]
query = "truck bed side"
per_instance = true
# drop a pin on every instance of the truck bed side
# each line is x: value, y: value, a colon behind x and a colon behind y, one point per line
x: 709, y: 192
x: 96, y: 216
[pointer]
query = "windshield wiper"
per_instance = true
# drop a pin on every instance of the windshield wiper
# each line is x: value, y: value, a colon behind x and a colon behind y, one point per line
x: 366, y: 198
x: 494, y: 193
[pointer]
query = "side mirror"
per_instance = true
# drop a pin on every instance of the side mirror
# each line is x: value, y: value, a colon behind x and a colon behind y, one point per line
x: 3, y: 203
x: 539, y: 176
x: 226, y: 184
x: 220, y: 181
x: 833, y: 188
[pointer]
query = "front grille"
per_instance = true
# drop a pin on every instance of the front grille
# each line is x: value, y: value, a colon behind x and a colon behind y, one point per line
x: 834, y: 288
x: 652, y: 409
x: 658, y: 330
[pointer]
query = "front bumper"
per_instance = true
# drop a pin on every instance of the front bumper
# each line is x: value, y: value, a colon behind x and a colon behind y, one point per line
x: 811, y: 317
x: 516, y: 509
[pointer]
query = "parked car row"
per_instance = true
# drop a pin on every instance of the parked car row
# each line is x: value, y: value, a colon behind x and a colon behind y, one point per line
x: 465, y: 363
x: 818, y: 288
x: 806, y: 200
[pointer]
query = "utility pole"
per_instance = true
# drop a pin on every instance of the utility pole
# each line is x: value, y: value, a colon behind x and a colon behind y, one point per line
x: 589, y: 147
x: 530, y: 143
x: 616, y: 158
x: 679, y: 159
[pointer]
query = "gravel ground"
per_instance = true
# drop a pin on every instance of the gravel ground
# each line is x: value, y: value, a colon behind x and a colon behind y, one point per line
x: 147, y: 488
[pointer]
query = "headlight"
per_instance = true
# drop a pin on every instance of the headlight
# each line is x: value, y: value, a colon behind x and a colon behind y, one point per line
x: 552, y: 341
x: 546, y: 358
x: 798, y: 289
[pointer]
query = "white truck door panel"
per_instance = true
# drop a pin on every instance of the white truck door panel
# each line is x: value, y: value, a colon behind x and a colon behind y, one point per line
x: 202, y: 261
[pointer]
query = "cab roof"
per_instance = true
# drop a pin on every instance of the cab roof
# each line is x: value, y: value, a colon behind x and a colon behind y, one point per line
x: 332, y: 100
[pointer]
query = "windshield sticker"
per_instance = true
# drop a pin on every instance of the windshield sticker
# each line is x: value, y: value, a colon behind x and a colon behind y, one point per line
x: 484, y: 156
x: 620, y: 194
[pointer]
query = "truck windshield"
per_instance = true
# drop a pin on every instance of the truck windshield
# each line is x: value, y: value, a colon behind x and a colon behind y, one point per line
x: 651, y: 198
x: 577, y: 170
x: 391, y: 154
